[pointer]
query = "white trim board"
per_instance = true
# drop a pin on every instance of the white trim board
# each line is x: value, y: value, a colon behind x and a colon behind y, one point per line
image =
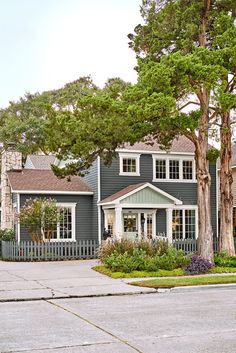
x: 120, y: 150
x: 48, y: 192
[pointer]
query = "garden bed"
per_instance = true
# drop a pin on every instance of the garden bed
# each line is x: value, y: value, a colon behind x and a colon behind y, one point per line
x: 126, y: 259
x: 160, y: 273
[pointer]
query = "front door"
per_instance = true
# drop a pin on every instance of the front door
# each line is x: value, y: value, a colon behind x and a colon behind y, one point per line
x: 130, y: 223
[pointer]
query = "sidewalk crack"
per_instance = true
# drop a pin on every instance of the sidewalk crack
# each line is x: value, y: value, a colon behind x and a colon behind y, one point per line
x: 96, y: 326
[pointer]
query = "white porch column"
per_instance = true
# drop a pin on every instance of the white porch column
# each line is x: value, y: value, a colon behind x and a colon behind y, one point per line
x: 118, y: 221
x: 169, y: 224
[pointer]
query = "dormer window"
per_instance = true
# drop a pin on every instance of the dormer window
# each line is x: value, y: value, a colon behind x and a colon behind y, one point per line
x: 129, y: 164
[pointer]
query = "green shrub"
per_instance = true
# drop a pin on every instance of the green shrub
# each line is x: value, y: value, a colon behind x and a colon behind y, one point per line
x: 7, y: 235
x: 121, y: 262
x: 136, y: 258
x: 169, y: 261
x: 224, y: 260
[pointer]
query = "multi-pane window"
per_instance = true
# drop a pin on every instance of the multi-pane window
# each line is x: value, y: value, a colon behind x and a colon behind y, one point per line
x: 177, y: 224
x: 190, y: 224
x: 234, y: 221
x: 160, y: 168
x: 149, y: 225
x: 110, y: 223
x: 174, y: 169
x: 188, y: 170
x: 130, y: 222
x: 129, y: 165
x: 63, y: 229
x: 183, y: 224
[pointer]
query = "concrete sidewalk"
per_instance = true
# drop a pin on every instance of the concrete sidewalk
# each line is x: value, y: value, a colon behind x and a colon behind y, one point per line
x: 65, y: 279
x: 71, y: 279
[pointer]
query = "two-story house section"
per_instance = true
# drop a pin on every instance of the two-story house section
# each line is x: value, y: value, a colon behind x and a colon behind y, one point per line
x: 148, y: 192
x: 145, y: 193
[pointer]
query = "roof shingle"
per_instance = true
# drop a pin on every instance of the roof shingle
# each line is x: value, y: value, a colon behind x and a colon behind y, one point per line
x: 180, y: 144
x: 45, y: 180
x: 41, y: 161
x: 122, y: 192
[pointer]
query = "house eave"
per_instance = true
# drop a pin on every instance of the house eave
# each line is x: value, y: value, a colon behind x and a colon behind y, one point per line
x: 52, y: 192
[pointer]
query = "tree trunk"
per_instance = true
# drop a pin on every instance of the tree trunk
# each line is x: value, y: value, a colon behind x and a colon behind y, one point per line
x: 226, y: 241
x: 205, y: 233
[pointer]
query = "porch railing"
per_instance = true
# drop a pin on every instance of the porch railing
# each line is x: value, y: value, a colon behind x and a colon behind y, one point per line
x: 50, y: 251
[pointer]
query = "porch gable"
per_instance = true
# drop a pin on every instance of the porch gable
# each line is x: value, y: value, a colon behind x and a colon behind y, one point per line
x: 147, y: 196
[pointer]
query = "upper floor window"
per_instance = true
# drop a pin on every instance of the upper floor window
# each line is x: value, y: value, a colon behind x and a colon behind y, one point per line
x: 129, y: 164
x: 188, y: 170
x: 173, y: 168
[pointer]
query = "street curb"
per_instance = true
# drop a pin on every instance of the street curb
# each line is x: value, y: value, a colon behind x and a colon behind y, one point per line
x: 15, y: 300
x: 186, y: 289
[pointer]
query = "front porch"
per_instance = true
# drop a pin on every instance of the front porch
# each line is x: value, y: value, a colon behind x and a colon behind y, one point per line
x: 143, y: 211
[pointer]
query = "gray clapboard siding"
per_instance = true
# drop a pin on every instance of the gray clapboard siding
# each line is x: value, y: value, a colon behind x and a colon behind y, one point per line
x: 91, y: 179
x: 14, y: 198
x: 83, y: 212
x: 161, y: 221
x: 112, y: 182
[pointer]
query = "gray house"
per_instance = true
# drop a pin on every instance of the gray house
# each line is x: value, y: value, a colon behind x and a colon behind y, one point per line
x: 146, y: 192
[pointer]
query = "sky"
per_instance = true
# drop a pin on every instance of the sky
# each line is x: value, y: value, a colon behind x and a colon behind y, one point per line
x: 48, y: 43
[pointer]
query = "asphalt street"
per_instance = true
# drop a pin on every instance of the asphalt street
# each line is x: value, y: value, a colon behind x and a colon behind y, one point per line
x: 182, y: 322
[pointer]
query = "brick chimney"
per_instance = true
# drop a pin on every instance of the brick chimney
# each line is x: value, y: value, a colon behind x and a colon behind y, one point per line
x: 11, y: 159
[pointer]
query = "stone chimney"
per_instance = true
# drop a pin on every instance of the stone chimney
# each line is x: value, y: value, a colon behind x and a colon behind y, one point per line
x: 11, y: 159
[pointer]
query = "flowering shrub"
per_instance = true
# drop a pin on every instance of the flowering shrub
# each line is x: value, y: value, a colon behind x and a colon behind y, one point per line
x: 198, y: 265
x: 40, y: 217
x: 124, y: 245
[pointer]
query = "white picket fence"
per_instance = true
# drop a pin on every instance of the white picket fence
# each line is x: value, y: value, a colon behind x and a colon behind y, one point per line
x: 50, y: 251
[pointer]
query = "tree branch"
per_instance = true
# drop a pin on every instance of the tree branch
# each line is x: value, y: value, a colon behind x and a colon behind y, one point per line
x: 190, y: 102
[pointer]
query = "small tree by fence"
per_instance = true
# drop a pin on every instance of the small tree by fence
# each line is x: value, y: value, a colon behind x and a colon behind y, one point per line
x: 40, y: 217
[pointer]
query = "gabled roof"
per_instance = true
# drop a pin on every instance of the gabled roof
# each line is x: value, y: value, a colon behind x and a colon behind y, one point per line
x: 44, y: 181
x: 181, y: 144
x: 35, y: 161
x: 122, y: 192
x: 132, y: 189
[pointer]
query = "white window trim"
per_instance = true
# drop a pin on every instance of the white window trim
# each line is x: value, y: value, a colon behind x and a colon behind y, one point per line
x: 180, y: 159
x: 132, y: 156
x: 72, y: 205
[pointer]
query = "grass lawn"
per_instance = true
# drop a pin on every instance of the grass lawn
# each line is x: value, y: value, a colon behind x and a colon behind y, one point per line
x: 186, y: 281
x: 160, y: 273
